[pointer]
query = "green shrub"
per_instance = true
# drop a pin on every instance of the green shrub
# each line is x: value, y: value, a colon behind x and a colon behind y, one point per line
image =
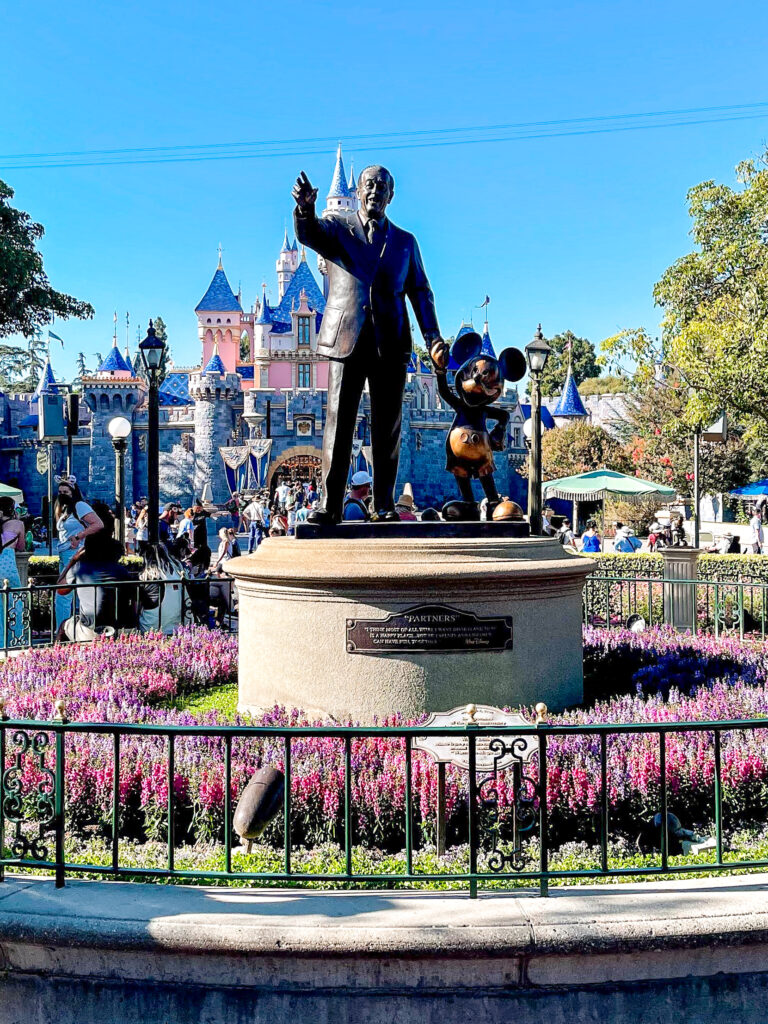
x: 41, y: 567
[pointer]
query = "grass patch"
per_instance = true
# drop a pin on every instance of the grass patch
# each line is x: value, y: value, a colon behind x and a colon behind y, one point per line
x: 329, y: 859
x: 217, y: 698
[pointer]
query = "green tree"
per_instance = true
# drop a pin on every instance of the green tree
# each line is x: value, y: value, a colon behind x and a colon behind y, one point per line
x: 609, y: 385
x: 22, y: 365
x: 715, y: 303
x: 27, y: 300
x: 580, y: 448
x: 660, y: 444
x: 582, y: 355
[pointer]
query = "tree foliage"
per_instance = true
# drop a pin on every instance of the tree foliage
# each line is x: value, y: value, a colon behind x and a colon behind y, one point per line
x: 661, y: 442
x: 22, y: 365
x: 715, y: 302
x: 27, y: 300
x: 609, y: 385
x: 580, y: 448
x: 584, y: 361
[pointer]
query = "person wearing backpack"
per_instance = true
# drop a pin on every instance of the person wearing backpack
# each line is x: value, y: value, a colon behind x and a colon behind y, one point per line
x: 565, y: 535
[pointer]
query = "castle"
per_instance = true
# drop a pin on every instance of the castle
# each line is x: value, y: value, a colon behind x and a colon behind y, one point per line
x: 254, y: 410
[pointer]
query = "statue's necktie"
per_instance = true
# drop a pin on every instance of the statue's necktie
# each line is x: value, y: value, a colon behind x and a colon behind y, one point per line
x: 372, y: 228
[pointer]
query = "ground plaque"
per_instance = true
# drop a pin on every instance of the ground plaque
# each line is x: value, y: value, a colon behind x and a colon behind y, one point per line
x: 429, y: 628
x: 455, y: 749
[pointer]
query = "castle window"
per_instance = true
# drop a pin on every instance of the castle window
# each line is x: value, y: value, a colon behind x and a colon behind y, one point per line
x: 188, y: 442
x: 304, y: 375
x: 208, y: 320
x: 104, y: 401
x: 303, y: 330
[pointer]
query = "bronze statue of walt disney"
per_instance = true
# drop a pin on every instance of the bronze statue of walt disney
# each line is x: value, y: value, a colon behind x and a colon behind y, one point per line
x: 365, y: 334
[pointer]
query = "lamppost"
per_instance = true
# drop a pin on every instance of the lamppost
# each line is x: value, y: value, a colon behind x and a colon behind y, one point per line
x: 536, y: 353
x: 152, y: 351
x: 119, y: 429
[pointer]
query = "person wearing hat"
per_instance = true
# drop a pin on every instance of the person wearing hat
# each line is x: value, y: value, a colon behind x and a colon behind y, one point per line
x: 404, y: 507
x: 355, y: 508
x: 167, y: 519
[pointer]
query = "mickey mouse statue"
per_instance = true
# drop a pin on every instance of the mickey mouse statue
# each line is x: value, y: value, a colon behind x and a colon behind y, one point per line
x: 469, y: 447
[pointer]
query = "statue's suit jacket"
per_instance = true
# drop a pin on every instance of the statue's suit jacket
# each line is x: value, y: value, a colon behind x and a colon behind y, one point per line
x: 368, y: 279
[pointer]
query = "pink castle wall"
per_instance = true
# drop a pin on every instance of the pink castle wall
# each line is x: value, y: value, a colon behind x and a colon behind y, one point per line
x: 322, y: 375
x: 280, y: 375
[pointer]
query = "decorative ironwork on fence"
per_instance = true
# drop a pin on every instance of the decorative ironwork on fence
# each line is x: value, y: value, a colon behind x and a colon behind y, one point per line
x: 33, y: 799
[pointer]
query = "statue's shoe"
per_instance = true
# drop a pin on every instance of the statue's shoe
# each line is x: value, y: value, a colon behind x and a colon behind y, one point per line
x: 461, y: 511
x: 321, y: 517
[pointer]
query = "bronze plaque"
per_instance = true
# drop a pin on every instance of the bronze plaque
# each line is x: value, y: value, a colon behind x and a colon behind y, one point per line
x: 429, y: 628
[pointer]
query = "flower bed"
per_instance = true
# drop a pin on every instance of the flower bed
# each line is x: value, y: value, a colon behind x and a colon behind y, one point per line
x: 134, y: 677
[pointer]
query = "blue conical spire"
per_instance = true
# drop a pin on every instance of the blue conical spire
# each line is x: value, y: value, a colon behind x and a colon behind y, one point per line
x: 286, y: 244
x: 47, y: 383
x: 339, y: 188
x: 115, y: 361
x: 219, y: 298
x: 215, y: 365
x: 351, y: 186
x: 487, y: 347
x: 570, y: 404
x: 265, y: 314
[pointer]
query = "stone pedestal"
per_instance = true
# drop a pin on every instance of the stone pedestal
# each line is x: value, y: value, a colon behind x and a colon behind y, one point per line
x: 680, y: 598
x: 22, y: 564
x: 493, y: 620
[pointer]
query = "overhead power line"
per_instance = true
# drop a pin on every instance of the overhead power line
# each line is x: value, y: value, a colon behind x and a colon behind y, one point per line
x: 383, y: 141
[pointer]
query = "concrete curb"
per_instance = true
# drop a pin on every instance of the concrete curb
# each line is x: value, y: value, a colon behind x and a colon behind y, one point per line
x: 104, y: 942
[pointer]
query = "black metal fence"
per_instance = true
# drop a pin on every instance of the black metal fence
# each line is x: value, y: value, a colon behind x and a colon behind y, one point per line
x: 34, y: 757
x: 701, y: 606
x: 29, y: 615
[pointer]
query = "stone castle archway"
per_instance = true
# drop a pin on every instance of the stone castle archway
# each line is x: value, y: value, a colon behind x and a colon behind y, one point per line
x: 302, y: 462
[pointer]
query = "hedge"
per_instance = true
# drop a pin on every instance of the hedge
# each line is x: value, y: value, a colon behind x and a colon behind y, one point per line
x: 46, y: 566
x: 726, y: 568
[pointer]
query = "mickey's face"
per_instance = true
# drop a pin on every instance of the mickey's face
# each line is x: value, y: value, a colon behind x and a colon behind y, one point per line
x: 479, y: 381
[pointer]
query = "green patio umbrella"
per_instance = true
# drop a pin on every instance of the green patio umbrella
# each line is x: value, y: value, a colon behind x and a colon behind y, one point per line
x: 11, y: 492
x: 602, y: 483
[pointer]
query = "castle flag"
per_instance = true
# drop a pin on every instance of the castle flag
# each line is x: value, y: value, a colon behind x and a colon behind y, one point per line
x: 55, y: 338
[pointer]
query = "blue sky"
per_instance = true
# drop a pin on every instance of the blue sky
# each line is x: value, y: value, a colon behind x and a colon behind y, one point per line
x: 571, y: 231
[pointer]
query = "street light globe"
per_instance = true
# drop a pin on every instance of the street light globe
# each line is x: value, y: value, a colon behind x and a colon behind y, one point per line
x: 119, y: 428
x: 537, y: 353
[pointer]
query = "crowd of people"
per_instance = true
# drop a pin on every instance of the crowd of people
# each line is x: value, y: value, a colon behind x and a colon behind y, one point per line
x: 669, y: 533
x: 183, y: 577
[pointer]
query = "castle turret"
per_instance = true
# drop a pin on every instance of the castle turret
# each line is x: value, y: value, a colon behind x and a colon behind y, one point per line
x: 219, y: 321
x: 213, y: 390
x: 340, y: 195
x: 569, y: 407
x: 487, y: 347
x: 286, y: 264
x: 113, y: 390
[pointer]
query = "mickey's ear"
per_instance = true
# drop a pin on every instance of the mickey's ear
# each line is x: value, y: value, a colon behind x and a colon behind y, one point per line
x: 465, y: 347
x: 512, y: 363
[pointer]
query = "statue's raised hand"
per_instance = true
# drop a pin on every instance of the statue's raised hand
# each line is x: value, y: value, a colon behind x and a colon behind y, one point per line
x: 303, y: 192
x: 440, y: 353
